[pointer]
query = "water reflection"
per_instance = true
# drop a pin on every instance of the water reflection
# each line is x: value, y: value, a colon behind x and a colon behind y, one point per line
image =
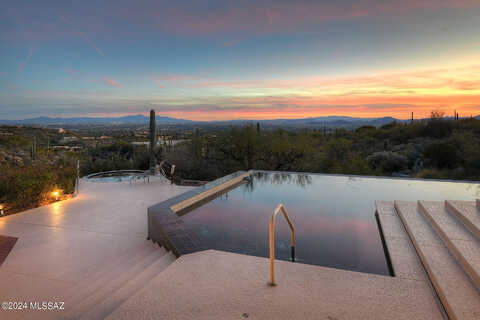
x: 277, y: 178
x: 333, y: 216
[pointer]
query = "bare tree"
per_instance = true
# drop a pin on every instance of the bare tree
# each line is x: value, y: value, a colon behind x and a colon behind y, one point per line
x: 437, y: 114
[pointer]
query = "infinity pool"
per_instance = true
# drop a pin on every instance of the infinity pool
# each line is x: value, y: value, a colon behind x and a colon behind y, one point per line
x: 115, y: 176
x: 333, y: 216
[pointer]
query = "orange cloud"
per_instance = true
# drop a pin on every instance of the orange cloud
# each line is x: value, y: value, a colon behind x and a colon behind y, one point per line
x: 466, y: 77
x: 306, y: 111
x: 394, y: 94
x: 383, y: 94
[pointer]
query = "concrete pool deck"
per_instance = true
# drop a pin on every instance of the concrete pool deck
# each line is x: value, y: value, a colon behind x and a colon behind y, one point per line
x: 91, y: 252
x: 61, y: 245
x: 221, y: 285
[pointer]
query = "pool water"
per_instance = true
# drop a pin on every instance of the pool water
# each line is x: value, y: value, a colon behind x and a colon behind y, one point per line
x: 118, y: 178
x: 333, y: 216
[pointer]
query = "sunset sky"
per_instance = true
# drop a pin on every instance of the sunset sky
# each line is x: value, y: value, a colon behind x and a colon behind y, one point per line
x: 216, y: 60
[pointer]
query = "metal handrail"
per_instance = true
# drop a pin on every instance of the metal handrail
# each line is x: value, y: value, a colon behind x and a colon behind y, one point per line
x: 272, y: 240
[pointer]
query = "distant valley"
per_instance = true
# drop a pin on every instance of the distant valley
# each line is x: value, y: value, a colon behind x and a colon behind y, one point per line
x: 317, y: 122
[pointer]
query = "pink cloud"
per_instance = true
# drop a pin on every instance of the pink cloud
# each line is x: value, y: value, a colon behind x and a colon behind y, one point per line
x: 289, y: 16
x: 258, y: 17
x: 111, y: 82
x: 158, y: 83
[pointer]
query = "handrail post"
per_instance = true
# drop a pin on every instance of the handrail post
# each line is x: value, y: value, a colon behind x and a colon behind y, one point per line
x: 272, y: 250
x: 271, y: 230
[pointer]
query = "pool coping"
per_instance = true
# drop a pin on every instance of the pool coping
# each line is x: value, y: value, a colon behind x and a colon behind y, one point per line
x: 165, y: 226
x: 165, y: 223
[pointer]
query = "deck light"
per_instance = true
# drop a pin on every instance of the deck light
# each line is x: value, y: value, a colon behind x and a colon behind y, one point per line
x: 55, y: 194
x: 1, y: 209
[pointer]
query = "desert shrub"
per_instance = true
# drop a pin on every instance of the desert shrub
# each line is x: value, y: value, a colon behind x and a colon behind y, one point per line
x: 366, y: 130
x: 433, y: 174
x: 30, y: 186
x: 442, y: 154
x: 387, y: 161
x: 438, y: 128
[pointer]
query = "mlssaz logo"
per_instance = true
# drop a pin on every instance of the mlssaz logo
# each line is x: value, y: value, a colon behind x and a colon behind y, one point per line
x: 47, y: 305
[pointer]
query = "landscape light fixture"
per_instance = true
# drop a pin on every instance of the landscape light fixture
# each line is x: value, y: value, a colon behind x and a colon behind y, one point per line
x: 55, y: 194
x: 1, y: 209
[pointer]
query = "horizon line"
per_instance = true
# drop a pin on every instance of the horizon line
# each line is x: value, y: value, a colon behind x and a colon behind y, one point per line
x: 223, y: 120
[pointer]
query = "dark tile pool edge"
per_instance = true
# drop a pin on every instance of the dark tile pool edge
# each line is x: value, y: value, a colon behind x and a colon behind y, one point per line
x: 166, y: 228
x: 388, y: 259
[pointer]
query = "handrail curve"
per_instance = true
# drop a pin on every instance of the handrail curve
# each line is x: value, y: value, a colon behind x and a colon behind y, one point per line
x: 279, y: 208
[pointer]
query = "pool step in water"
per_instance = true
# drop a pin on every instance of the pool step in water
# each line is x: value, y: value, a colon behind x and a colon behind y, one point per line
x: 468, y: 213
x: 456, y: 290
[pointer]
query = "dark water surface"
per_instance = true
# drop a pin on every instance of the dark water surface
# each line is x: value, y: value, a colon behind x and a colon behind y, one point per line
x: 333, y: 216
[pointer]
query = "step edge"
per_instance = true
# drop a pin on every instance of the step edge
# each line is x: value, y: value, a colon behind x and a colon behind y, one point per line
x: 104, y: 276
x: 113, y: 284
x: 463, y: 219
x: 431, y: 276
x: 452, y: 248
x: 130, y: 288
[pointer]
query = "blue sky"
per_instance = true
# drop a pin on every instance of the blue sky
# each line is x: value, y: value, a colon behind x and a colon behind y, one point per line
x: 230, y: 59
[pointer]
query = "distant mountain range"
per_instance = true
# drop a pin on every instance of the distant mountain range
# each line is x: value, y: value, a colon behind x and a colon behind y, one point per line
x: 136, y: 119
x: 328, y: 121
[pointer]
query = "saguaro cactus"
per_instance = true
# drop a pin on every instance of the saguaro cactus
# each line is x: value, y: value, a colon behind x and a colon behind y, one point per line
x: 153, y: 141
x: 34, y: 148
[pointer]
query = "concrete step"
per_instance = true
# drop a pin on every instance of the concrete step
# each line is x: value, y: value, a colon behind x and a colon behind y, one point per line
x: 106, y: 274
x: 463, y: 245
x: 121, y: 277
x: 128, y: 256
x: 95, y: 279
x: 467, y: 213
x: 401, y: 254
x: 134, y: 285
x: 456, y: 291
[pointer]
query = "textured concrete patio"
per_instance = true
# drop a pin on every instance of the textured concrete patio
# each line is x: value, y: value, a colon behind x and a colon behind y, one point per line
x: 61, y: 244
x: 220, y: 285
x: 91, y: 253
